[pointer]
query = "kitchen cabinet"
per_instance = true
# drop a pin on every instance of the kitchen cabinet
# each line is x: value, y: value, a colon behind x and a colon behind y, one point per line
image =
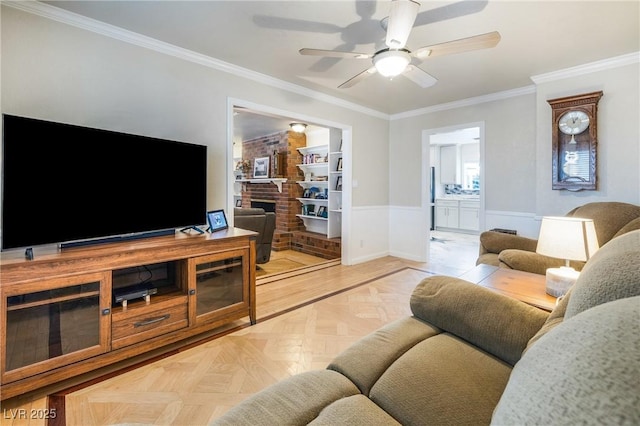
x: 469, y: 215
x: 449, y: 164
x: 447, y: 214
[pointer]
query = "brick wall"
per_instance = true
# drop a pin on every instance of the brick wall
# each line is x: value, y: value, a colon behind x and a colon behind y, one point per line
x: 287, y: 206
x: 290, y: 231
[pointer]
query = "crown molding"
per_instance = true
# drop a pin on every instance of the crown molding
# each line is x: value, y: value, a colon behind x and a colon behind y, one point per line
x: 605, y: 64
x: 60, y: 15
x: 465, y: 102
x: 89, y: 24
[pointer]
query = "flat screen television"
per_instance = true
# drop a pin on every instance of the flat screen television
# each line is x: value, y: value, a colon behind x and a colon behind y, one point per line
x: 64, y: 183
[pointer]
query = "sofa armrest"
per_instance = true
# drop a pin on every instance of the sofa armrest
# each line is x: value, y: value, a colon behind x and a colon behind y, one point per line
x: 495, y: 323
x: 495, y: 242
x: 532, y: 262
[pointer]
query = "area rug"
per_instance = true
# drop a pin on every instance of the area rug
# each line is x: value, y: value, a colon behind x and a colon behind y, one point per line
x: 198, y: 385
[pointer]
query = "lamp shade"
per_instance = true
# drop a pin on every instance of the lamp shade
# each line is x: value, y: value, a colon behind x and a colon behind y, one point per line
x: 567, y: 238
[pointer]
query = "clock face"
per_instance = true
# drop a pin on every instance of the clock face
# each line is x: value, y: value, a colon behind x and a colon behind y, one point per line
x: 573, y: 122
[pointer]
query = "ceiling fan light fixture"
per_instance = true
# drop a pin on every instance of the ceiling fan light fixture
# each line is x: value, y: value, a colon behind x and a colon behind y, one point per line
x: 391, y: 63
x: 298, y: 127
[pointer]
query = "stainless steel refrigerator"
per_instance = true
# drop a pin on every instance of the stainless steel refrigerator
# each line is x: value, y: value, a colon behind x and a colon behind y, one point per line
x: 432, y: 197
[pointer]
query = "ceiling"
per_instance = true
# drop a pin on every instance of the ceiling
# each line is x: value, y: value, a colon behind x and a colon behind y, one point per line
x: 537, y: 37
x: 250, y: 124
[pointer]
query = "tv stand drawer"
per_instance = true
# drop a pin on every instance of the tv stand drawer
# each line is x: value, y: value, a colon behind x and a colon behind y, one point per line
x: 129, y: 327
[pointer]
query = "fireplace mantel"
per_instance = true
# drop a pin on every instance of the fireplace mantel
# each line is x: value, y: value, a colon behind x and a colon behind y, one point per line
x: 276, y: 181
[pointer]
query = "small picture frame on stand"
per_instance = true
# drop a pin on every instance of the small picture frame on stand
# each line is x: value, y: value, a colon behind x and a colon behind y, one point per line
x: 217, y: 220
x: 339, y: 183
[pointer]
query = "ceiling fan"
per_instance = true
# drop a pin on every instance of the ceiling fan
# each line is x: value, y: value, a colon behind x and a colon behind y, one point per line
x: 395, y: 59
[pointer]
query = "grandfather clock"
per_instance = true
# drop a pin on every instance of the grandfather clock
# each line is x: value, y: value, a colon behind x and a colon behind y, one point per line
x: 575, y: 141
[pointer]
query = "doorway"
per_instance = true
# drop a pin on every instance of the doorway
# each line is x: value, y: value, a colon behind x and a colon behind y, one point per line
x: 453, y: 158
x: 277, y: 121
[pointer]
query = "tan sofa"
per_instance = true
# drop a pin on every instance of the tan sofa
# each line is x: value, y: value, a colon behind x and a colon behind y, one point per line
x: 469, y: 356
x: 611, y: 219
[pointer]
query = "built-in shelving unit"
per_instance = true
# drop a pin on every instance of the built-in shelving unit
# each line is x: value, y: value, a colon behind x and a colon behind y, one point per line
x: 321, y: 204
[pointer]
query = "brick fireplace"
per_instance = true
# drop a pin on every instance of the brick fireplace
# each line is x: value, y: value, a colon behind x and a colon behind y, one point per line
x: 290, y: 232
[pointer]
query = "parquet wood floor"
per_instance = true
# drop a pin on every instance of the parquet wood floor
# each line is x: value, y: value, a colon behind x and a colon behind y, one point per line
x: 198, y: 385
x: 303, y: 322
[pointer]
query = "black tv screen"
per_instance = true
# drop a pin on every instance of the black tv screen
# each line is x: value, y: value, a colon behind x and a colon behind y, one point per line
x: 64, y: 183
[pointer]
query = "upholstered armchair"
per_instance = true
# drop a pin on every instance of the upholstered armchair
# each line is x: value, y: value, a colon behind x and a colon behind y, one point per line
x: 257, y: 220
x: 611, y: 219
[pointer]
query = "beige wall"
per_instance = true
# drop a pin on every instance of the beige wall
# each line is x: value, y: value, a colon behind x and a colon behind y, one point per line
x: 618, y: 152
x: 517, y: 154
x: 54, y: 71
x: 509, y: 155
x: 58, y: 72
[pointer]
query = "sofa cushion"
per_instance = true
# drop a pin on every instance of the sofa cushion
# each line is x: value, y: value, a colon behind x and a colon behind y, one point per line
x: 608, y: 217
x: 495, y: 242
x: 631, y: 226
x: 365, y: 361
x: 357, y: 410
x: 532, y: 262
x: 488, y: 259
x: 442, y: 381
x: 555, y: 318
x: 585, y: 371
x: 293, y: 401
x: 612, y: 273
x: 499, y: 325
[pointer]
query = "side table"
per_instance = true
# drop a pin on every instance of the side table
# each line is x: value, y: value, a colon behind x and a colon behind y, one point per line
x: 524, y: 286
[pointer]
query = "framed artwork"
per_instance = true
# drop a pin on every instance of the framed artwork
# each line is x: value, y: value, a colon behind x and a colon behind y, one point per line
x: 339, y: 183
x: 339, y: 164
x: 322, y: 211
x: 217, y: 220
x: 238, y: 203
x: 308, y: 209
x: 261, y: 168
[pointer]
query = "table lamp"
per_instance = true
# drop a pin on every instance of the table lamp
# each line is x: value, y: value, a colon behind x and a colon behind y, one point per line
x: 567, y: 238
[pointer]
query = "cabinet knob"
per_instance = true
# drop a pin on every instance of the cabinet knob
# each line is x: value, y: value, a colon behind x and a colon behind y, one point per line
x: 192, y: 292
x: 106, y: 311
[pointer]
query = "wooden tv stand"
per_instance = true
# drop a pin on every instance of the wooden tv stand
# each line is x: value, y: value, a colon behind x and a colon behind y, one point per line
x: 59, y: 318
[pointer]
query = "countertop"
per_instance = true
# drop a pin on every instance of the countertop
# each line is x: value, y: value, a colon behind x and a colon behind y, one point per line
x: 459, y: 197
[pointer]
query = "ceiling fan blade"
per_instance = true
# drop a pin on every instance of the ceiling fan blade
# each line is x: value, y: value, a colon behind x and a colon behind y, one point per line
x: 334, y: 54
x: 358, y: 78
x: 401, y: 18
x: 482, y: 41
x: 419, y: 76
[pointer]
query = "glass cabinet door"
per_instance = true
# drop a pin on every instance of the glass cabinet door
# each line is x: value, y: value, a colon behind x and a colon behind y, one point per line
x: 219, y: 284
x: 48, y: 328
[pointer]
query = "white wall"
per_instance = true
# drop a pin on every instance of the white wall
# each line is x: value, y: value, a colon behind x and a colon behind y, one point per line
x: 54, y: 71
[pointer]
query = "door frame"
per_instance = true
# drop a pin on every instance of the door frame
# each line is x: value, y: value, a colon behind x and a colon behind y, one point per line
x: 426, y: 164
x: 346, y: 256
